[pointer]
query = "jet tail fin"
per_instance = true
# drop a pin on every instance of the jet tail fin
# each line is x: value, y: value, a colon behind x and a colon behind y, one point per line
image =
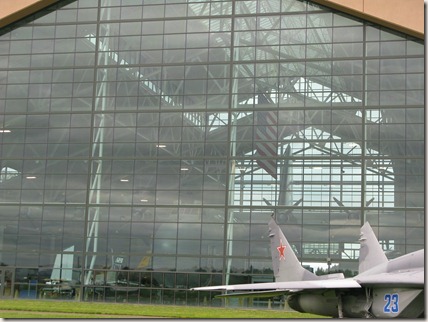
x: 371, y: 253
x: 286, y: 266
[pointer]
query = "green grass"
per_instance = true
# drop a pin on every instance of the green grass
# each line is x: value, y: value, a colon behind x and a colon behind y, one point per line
x: 71, y: 309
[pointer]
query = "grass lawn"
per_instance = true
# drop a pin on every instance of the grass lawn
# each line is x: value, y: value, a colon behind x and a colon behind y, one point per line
x: 83, y: 310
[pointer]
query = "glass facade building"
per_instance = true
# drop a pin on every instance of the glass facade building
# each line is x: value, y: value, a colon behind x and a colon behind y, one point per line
x: 144, y: 145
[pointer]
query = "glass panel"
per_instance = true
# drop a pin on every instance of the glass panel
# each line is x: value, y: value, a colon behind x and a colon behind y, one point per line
x: 142, y: 136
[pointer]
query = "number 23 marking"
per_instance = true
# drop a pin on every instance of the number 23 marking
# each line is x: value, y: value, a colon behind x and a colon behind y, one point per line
x: 391, y: 305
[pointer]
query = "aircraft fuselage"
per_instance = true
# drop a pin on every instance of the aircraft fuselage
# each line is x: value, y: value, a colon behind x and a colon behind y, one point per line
x: 357, y: 303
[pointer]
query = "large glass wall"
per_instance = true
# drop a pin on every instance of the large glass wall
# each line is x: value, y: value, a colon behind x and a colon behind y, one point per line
x: 145, y: 145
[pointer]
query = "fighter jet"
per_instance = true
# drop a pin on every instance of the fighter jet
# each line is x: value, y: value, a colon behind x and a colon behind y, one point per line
x: 383, y: 288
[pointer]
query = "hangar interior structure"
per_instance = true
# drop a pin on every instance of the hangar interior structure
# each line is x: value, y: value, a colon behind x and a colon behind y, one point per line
x: 146, y: 144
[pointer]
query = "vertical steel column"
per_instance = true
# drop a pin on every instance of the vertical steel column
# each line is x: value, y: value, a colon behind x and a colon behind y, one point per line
x: 232, y: 157
x: 363, y: 218
x: 231, y: 192
x: 97, y: 151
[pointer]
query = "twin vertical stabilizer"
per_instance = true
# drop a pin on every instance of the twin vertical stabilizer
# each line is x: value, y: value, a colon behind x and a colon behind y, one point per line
x: 286, y: 266
x: 371, y: 253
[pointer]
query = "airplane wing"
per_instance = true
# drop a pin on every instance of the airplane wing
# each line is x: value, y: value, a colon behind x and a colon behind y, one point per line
x: 285, y: 287
x: 253, y: 294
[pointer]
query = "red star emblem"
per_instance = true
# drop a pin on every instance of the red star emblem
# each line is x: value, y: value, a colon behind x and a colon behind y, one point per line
x: 281, y: 249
